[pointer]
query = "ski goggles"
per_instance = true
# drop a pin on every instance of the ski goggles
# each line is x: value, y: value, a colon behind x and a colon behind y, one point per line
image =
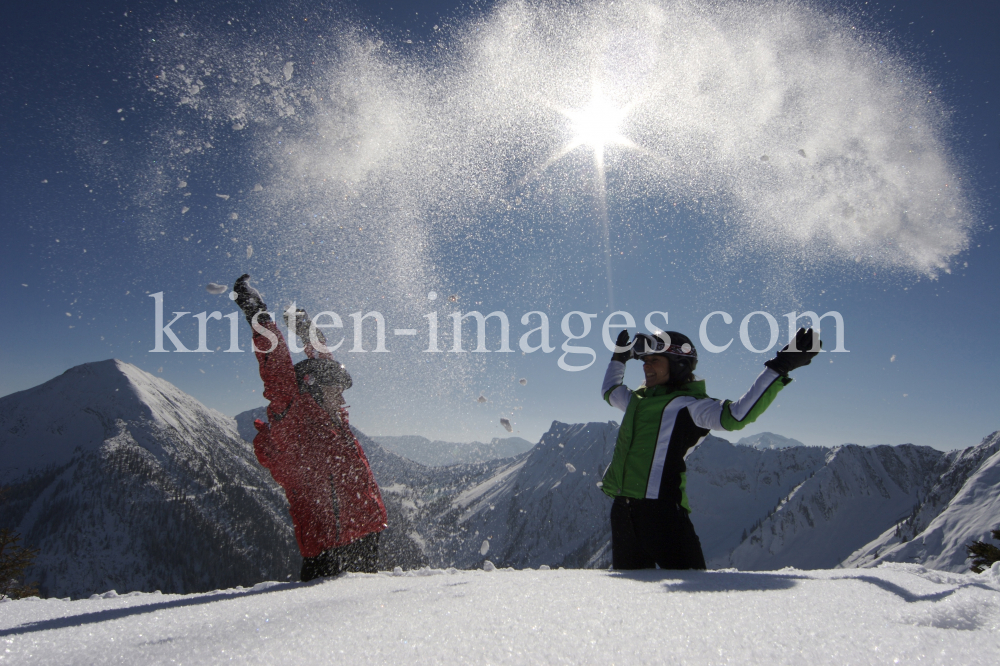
x: 650, y: 345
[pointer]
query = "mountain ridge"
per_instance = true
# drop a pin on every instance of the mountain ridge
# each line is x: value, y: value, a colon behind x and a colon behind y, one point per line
x: 125, y: 482
x: 437, y: 453
x: 967, y: 487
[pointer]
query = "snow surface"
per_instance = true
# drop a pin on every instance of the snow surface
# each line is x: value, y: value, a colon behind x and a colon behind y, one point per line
x: 898, y: 613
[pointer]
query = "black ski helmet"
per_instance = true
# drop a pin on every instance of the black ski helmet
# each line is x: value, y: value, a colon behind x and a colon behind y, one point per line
x: 314, y: 373
x: 678, y: 350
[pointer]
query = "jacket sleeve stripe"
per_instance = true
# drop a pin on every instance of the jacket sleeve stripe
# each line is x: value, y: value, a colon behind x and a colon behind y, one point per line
x: 736, y: 415
x: 741, y: 407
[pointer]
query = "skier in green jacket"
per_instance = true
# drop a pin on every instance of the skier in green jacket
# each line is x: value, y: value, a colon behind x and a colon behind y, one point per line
x: 664, y: 419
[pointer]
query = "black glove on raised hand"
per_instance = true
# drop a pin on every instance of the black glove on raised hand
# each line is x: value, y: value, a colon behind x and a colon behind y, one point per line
x: 249, y: 300
x: 622, y: 341
x: 786, y: 360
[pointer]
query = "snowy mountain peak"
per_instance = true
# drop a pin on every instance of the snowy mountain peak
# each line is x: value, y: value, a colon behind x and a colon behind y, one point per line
x: 43, y: 426
x: 769, y: 440
x: 122, y: 480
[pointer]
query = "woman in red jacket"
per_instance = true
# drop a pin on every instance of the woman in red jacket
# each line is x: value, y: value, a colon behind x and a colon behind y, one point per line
x: 311, y: 452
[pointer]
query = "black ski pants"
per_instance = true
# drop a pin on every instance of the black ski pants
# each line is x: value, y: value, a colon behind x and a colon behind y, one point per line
x: 360, y: 556
x: 648, y: 532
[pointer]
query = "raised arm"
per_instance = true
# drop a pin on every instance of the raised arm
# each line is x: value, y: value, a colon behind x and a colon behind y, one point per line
x: 614, y: 392
x: 735, y: 415
x: 273, y: 357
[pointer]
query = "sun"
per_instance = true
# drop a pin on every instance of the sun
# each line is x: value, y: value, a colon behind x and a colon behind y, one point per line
x: 596, y: 125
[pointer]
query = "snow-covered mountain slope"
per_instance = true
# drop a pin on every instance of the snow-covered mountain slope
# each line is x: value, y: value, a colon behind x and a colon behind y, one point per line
x: 413, y: 493
x: 896, y: 614
x: 769, y: 440
x: 546, y: 508
x: 962, y: 507
x: 755, y: 509
x: 46, y: 425
x: 438, y: 454
x: 956, y: 468
x: 542, y: 508
x: 731, y: 488
x: 123, y: 481
x: 849, y: 501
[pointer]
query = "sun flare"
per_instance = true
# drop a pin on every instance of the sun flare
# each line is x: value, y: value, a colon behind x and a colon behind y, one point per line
x: 597, y: 126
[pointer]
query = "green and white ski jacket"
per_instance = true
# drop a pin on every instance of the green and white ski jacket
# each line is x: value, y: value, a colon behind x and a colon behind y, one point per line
x: 662, y: 425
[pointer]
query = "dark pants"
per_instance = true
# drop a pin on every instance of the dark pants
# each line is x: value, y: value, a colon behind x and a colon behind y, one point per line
x: 359, y: 556
x: 646, y: 533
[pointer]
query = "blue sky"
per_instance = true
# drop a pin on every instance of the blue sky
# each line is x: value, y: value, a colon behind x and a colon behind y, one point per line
x: 801, y: 157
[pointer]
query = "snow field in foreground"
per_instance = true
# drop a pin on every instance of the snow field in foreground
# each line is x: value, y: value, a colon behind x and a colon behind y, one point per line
x: 897, y: 613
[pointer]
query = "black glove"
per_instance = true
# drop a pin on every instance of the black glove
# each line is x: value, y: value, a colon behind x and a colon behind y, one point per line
x: 622, y: 341
x: 786, y: 360
x: 249, y: 300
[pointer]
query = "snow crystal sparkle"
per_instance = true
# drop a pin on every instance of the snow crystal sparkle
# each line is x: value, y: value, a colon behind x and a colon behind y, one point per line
x: 414, y: 148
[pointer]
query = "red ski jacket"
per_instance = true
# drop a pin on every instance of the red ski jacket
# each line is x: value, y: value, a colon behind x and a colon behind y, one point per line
x: 333, y: 496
